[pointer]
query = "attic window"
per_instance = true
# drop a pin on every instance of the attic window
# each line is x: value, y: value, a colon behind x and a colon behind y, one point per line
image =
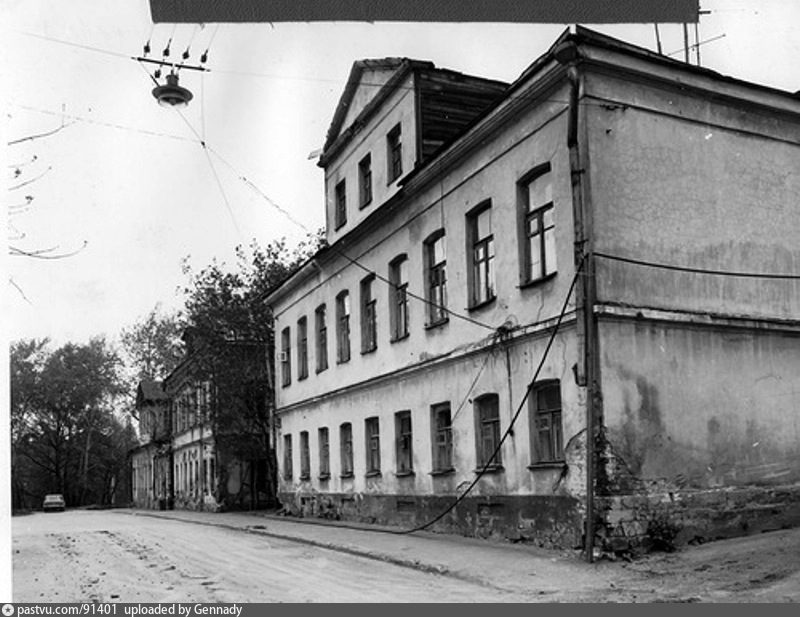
x: 365, y: 181
x: 340, y: 214
x: 394, y: 154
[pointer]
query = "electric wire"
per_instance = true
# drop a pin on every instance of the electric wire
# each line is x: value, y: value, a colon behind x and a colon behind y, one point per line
x: 486, y: 359
x: 490, y: 460
x: 213, y: 171
x: 106, y: 124
x: 663, y: 266
x: 353, y: 261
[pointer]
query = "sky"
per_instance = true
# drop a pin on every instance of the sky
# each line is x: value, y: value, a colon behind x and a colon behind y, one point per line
x: 127, y: 186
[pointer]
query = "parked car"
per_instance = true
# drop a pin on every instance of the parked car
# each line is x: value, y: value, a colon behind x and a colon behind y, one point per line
x: 54, y: 503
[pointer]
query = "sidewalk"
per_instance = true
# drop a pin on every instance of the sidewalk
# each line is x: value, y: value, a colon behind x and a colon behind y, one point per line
x: 759, y: 568
x: 550, y: 575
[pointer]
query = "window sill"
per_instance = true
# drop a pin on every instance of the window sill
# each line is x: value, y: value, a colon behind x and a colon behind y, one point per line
x: 339, y: 226
x: 490, y: 469
x: 547, y: 465
x: 324, y: 477
x: 480, y: 305
x: 366, y: 351
x: 397, y: 339
x: 287, y: 478
x: 342, y: 361
x: 539, y: 281
x: 302, y: 377
x: 437, y: 324
x: 443, y: 472
x: 405, y: 474
x: 373, y: 474
x: 305, y: 477
x: 321, y: 370
x: 347, y: 476
x: 365, y: 205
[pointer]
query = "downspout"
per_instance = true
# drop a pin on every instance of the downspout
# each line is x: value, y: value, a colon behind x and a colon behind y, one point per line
x: 568, y: 55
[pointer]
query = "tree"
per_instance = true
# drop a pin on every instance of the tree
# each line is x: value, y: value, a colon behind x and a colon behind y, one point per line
x: 230, y: 337
x: 153, y: 345
x: 65, y: 434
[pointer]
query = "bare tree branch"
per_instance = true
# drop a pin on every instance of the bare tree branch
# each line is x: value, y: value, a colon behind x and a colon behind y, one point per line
x: 19, y: 186
x: 41, y: 254
x: 19, y: 289
x: 40, y: 135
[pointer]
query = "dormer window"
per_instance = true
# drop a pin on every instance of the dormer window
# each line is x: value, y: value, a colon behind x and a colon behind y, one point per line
x: 394, y: 154
x: 340, y: 213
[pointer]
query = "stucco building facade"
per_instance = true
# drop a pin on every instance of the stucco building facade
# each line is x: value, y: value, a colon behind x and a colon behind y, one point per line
x: 607, y: 247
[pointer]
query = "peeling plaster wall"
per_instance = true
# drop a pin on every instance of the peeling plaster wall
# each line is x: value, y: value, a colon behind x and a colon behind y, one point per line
x: 696, y: 182
x: 501, y: 503
x: 702, y: 424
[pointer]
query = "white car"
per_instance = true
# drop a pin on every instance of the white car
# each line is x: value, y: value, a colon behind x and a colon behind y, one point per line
x: 54, y: 502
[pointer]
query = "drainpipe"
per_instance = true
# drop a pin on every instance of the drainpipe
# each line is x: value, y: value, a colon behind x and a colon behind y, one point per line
x: 568, y: 55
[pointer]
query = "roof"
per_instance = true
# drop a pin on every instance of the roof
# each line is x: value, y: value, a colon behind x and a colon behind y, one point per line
x: 349, y: 117
x: 567, y: 43
x: 150, y: 391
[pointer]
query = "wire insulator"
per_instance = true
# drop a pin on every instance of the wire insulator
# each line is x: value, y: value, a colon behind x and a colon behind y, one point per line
x: 147, y: 48
x: 204, y: 57
x: 186, y: 54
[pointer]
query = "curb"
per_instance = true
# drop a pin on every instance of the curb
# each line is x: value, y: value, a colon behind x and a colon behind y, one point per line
x: 413, y: 564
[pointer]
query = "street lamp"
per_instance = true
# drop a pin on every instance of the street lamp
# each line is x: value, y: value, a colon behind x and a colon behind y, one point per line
x: 171, y: 94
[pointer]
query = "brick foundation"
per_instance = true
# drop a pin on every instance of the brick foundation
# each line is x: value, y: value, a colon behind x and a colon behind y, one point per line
x: 550, y: 521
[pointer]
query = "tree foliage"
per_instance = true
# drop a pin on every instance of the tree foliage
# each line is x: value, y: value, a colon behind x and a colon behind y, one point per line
x: 65, y: 435
x: 230, y: 339
x: 153, y: 345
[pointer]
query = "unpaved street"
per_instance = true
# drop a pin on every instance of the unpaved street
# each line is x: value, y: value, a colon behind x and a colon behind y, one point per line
x: 179, y: 556
x: 80, y: 556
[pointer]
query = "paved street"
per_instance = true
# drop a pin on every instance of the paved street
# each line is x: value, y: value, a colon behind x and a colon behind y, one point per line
x: 145, y: 556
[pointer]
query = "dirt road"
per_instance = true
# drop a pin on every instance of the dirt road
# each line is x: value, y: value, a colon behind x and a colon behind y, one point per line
x: 80, y: 556
x: 141, y: 556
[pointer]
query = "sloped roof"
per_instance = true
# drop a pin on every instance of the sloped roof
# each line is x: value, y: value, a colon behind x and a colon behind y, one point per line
x: 400, y: 67
x: 150, y: 391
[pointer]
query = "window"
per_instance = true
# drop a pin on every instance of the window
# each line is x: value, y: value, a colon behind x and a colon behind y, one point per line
x: 369, y: 340
x: 402, y: 427
x: 346, y: 449
x: 394, y: 154
x: 305, y: 456
x: 372, y: 431
x: 324, y: 454
x: 322, y: 339
x: 545, y: 421
x: 343, y: 327
x: 487, y: 420
x: 286, y: 358
x: 436, y: 277
x: 536, y: 205
x: 287, y: 457
x: 481, y: 245
x: 442, y: 438
x: 365, y: 181
x: 302, y: 348
x: 340, y: 213
x: 398, y: 298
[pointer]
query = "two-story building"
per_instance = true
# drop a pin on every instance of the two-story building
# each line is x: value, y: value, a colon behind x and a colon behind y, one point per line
x: 151, y: 462
x: 608, y: 246
x: 202, y: 445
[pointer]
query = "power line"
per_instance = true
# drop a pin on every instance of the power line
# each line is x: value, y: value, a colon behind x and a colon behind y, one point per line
x: 507, y: 432
x: 353, y: 261
x: 663, y: 266
x: 101, y: 123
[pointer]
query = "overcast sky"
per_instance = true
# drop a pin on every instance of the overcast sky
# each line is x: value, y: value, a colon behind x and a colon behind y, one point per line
x: 129, y: 178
